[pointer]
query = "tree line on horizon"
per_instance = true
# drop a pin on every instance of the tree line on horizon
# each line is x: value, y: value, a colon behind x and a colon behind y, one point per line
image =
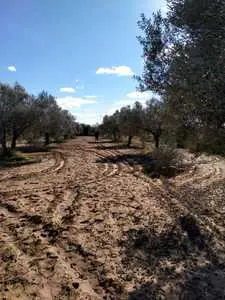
x: 184, y: 64
x: 32, y: 118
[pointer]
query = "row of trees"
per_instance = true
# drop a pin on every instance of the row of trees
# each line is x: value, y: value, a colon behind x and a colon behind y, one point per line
x: 24, y: 115
x: 136, y: 121
x: 86, y: 129
x: 184, y: 63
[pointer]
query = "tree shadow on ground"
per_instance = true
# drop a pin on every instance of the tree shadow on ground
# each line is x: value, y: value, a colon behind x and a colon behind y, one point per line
x: 102, y: 142
x: 118, y: 147
x: 180, y: 269
x: 131, y: 159
x: 206, y: 283
x: 145, y: 247
x: 34, y: 148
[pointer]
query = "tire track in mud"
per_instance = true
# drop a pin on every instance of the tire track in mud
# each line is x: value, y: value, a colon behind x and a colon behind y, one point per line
x: 168, y: 196
x: 110, y: 169
x: 48, y: 257
x: 212, y: 173
x: 67, y: 218
x: 55, y: 248
x: 76, y: 257
x: 58, y: 226
x: 57, y: 191
x: 58, y: 165
x: 122, y: 166
x: 71, y: 256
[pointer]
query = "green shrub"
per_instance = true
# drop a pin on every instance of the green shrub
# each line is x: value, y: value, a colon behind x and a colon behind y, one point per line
x: 165, y: 162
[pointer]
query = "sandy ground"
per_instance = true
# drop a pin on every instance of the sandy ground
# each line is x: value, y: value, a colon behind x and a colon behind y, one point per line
x: 85, y: 223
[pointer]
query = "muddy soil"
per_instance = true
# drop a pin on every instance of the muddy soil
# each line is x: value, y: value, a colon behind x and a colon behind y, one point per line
x: 85, y: 223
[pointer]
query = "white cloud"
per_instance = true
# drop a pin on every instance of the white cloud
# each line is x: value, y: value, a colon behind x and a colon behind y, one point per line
x: 77, y: 80
x: 117, y: 106
x: 138, y: 96
x: 90, y: 97
x: 132, y: 97
x: 67, y: 90
x: 125, y: 102
x: 119, y: 71
x: 90, y: 118
x: 71, y: 102
x: 12, y: 68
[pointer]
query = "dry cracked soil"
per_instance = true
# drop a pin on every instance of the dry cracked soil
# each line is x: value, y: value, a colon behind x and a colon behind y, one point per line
x: 86, y: 223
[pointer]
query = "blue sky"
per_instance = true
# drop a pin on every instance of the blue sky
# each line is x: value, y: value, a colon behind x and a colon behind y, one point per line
x: 84, y: 52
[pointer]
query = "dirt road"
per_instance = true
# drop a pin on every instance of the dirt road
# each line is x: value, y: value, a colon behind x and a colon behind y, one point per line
x: 85, y: 223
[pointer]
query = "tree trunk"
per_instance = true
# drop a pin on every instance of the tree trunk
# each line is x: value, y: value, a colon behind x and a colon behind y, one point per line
x: 47, y: 140
x: 156, y: 138
x: 114, y: 136
x: 3, y: 141
x: 14, y: 139
x: 129, y: 141
x: 13, y: 142
x: 181, y: 136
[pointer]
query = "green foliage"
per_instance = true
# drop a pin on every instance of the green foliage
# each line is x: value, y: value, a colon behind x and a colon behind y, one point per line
x: 154, y: 118
x: 137, y: 121
x: 126, y: 122
x: 184, y: 61
x: 53, y: 122
x: 156, y: 52
x: 207, y: 142
x: 197, y: 71
x: 85, y: 130
x: 110, y: 126
x: 25, y: 115
x: 130, y: 121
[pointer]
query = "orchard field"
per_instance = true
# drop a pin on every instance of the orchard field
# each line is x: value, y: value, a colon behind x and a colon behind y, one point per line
x: 86, y: 223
